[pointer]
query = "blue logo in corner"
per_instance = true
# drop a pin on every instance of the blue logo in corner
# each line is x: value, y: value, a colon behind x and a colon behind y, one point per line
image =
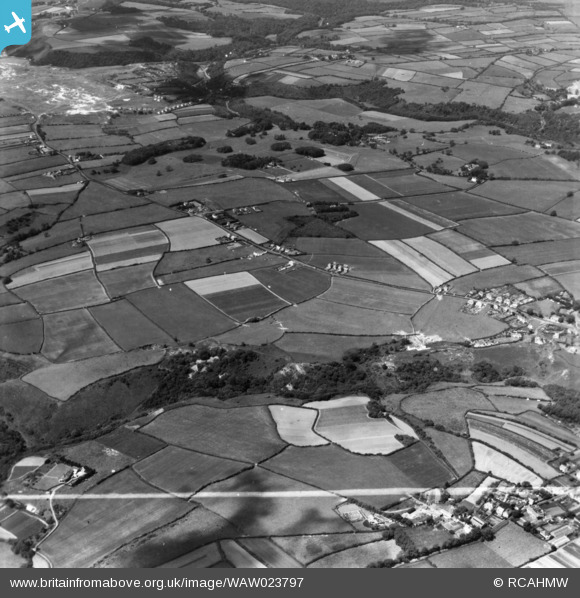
x: 15, y: 22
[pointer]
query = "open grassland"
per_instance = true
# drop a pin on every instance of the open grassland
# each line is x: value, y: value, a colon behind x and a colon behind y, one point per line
x: 521, y: 228
x: 530, y: 195
x: 295, y: 425
x: 495, y: 277
x: 377, y: 480
x: 247, y: 434
x: 546, y: 252
x: 318, y: 315
x: 73, y: 335
x: 460, y: 206
x: 72, y: 291
x: 375, y: 221
x: 125, y: 248
x: 181, y: 313
x: 131, y: 443
x: 274, y: 504
x: 424, y: 267
x: 93, y: 529
x: 180, y: 471
x: 269, y: 553
x: 373, y: 296
x: 52, y: 269
x: 359, y: 556
x: 443, y: 317
x: 456, y: 450
x: 324, y: 347
x: 62, y: 381
x: 190, y: 233
x: 497, y: 464
x: 126, y: 280
x: 127, y: 326
x: 295, y: 285
x: 446, y: 407
x: 306, y: 549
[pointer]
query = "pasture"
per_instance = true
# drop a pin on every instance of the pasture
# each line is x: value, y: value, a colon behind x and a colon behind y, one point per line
x: 243, y: 434
x: 567, y: 275
x: 516, y: 546
x: 386, y: 478
x: 93, y: 528
x: 72, y: 291
x: 495, y: 277
x: 22, y: 337
x: 440, y: 255
x: 359, y: 556
x: 131, y: 443
x: 127, y: 326
x: 131, y: 217
x: 372, y: 296
x: 73, y: 335
x: 545, y: 252
x: 443, y: 317
x: 180, y: 471
x: 181, y: 313
x: 126, y: 280
x: 51, y: 269
x: 456, y: 450
x: 472, y: 556
x: 539, y: 288
x: 96, y: 199
x: 295, y: 425
x: 294, y: 285
x: 269, y: 553
x: 502, y: 467
x: 272, y: 222
x: 275, y: 504
x: 318, y: 315
x: 446, y: 407
x: 62, y: 381
x: 239, y: 557
x: 190, y: 233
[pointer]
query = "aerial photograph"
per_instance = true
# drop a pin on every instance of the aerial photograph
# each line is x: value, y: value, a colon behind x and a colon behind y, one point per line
x: 290, y: 285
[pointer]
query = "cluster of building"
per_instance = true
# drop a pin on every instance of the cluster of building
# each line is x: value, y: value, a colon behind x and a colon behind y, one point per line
x: 336, y: 268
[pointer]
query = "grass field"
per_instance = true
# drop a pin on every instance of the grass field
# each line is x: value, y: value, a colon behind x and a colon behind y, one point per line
x: 306, y: 549
x: 73, y: 335
x: 324, y: 347
x: 139, y: 216
x: 246, y: 434
x: 52, y: 269
x: 72, y: 291
x: 22, y: 337
x: 373, y: 296
x: 239, y: 557
x: 269, y: 553
x: 131, y: 443
x: 181, y: 313
x: 17, y: 312
x: 22, y: 525
x: 272, y: 222
x: 274, y: 513
x: 201, y: 558
x: 542, y: 253
x: 446, y: 407
x: 176, y: 470
x: 566, y: 273
x: 442, y: 317
x: 96, y: 199
x: 126, y: 280
x: 359, y: 556
x: 495, y: 277
x: 521, y: 228
x: 378, y: 222
x: 93, y: 529
x: 539, y: 287
x: 190, y: 233
x: 489, y: 460
x: 456, y: 450
x: 295, y: 425
x: 127, y: 326
x: 62, y: 381
x: 549, y: 427
x: 424, y: 267
x: 295, y: 285
x: 313, y: 191
x: 472, y: 556
x: 318, y: 315
x: 516, y: 546
x: 334, y: 469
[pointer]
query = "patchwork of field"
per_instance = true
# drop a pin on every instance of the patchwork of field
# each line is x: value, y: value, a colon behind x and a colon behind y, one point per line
x: 567, y: 274
x: 440, y: 255
x: 545, y: 252
x: 129, y: 247
x: 245, y: 434
x: 346, y: 422
x: 92, y: 529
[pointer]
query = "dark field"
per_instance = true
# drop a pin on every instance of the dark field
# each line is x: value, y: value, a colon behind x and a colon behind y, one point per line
x: 131, y: 443
x: 249, y: 302
x: 296, y: 284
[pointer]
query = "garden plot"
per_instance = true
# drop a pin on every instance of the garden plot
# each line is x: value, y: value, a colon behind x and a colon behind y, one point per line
x: 424, y: 267
x: 52, y: 269
x: 295, y: 425
x: 128, y: 247
x: 190, y: 233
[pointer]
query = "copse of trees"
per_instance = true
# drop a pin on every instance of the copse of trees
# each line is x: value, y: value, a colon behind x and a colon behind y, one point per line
x: 335, y: 133
x: 280, y: 146
x: 248, y: 162
x: 142, y: 154
x: 310, y: 151
x: 565, y: 403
